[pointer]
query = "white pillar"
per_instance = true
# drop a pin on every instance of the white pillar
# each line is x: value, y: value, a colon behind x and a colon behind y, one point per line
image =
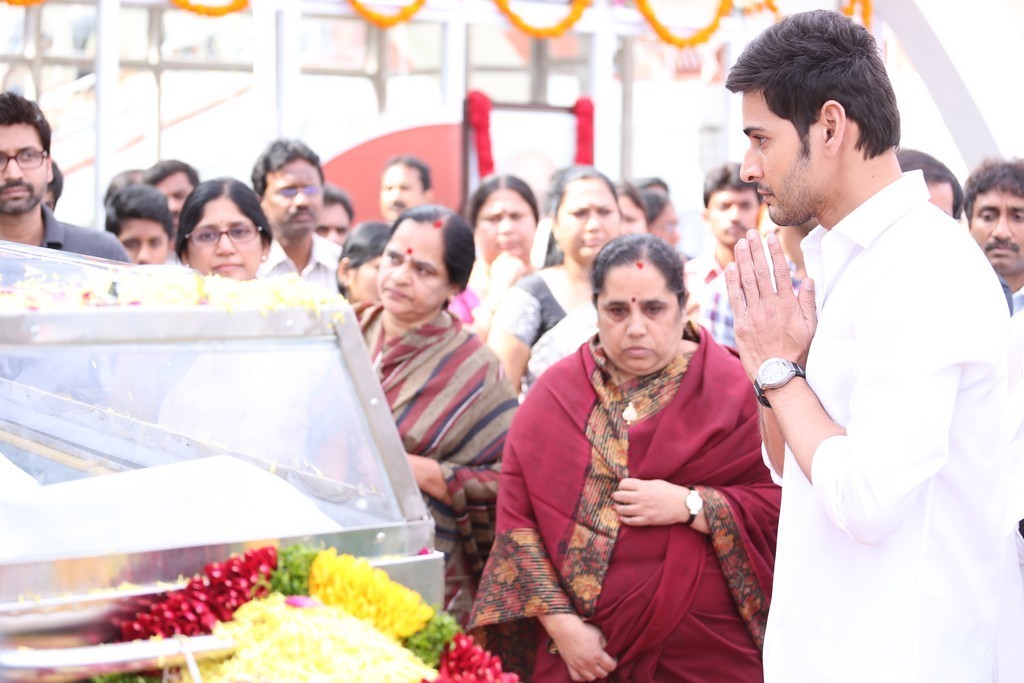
x: 264, y: 70
x: 454, y: 66
x: 108, y: 108
x: 607, y: 94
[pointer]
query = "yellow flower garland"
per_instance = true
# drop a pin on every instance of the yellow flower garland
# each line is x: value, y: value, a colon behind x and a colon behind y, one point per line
x: 575, y: 12
x: 23, y: 3
x: 701, y: 36
x: 385, y: 21
x: 850, y: 6
x: 367, y: 593
x: 211, y: 10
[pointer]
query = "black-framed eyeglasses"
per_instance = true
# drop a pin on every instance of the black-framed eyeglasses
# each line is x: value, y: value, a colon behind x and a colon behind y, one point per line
x: 239, y: 234
x: 27, y: 159
x: 307, y: 190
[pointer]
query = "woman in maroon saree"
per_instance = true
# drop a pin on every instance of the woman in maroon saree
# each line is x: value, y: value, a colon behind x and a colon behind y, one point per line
x: 598, y: 555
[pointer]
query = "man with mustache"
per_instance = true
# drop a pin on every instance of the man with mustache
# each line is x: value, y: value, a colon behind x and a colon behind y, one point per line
x: 994, y: 202
x: 25, y: 171
x: 290, y: 182
x: 404, y: 184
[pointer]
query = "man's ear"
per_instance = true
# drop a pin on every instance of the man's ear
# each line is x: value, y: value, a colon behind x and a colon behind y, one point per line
x: 832, y: 120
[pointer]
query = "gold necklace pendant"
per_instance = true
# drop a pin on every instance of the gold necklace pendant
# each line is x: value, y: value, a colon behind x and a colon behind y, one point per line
x: 629, y: 414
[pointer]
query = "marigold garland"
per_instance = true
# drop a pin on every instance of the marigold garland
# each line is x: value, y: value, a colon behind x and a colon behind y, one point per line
x: 575, y: 12
x: 211, y: 10
x: 701, y: 36
x: 367, y: 592
x: 386, y: 21
x: 24, y: 3
x: 850, y: 7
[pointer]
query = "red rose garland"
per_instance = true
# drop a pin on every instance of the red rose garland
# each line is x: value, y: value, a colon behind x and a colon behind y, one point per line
x: 584, y: 111
x: 207, y: 599
x: 479, y: 114
x: 466, y: 662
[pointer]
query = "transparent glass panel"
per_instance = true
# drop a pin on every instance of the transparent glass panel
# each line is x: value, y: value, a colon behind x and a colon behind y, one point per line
x: 209, y: 119
x: 17, y: 78
x: 133, y: 39
x: 188, y: 37
x: 414, y: 93
x: 502, y: 86
x: 415, y: 47
x: 68, y: 98
x: 497, y: 46
x: 337, y: 43
x: 12, y: 30
x: 340, y: 110
x: 68, y: 30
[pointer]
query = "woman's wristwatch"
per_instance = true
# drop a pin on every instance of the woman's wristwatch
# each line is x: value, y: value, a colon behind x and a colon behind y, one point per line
x: 694, y: 503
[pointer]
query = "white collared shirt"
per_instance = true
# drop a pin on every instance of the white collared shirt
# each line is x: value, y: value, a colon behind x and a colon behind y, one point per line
x: 891, y: 566
x: 322, y: 268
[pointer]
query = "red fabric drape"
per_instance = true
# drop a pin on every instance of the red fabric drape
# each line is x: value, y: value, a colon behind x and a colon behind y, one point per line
x: 584, y: 111
x: 478, y: 107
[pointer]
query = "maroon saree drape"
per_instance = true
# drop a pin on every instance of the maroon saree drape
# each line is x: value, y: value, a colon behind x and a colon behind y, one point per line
x: 561, y: 549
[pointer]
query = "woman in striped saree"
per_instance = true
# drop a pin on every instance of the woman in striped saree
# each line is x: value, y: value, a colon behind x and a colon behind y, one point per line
x: 444, y: 387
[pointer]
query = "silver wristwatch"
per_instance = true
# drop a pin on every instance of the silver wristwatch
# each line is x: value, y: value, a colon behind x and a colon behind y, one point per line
x: 774, y: 373
x: 694, y: 503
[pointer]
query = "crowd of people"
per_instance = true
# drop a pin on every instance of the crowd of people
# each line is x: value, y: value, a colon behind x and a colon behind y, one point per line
x: 614, y: 499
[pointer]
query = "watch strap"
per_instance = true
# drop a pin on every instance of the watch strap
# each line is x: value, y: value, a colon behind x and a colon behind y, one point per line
x: 797, y: 371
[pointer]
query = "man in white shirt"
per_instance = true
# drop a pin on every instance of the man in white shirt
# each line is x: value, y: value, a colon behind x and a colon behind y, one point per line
x: 290, y: 182
x: 730, y: 210
x: 894, y: 547
x: 994, y: 202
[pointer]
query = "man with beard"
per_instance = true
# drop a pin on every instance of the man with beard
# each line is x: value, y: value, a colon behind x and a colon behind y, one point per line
x: 290, y: 182
x: 404, y: 184
x: 731, y: 209
x: 26, y: 171
x: 994, y: 202
x: 894, y: 555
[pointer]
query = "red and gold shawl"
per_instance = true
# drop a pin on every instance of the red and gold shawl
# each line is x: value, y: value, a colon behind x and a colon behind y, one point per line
x: 565, y: 454
x: 450, y: 403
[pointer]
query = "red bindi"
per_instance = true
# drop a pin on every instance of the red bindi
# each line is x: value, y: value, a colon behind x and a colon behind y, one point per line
x: 409, y: 252
x: 639, y: 264
x: 439, y: 223
x: 633, y: 299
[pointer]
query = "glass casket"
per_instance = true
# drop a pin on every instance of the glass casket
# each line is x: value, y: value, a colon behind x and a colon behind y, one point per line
x: 114, y: 420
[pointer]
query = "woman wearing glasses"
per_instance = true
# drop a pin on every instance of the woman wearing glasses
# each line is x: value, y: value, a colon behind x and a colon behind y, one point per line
x: 218, y: 230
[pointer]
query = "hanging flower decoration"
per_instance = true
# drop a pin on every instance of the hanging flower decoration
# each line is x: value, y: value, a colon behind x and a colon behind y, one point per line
x: 584, y: 111
x: 212, y: 10
x: 24, y: 3
x: 575, y: 12
x: 478, y: 113
x: 755, y: 6
x: 386, y: 21
x: 850, y: 8
x: 701, y: 36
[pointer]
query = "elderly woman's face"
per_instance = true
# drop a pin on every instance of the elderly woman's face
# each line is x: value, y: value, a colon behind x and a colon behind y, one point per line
x: 639, y: 321
x: 413, y: 280
x: 238, y: 248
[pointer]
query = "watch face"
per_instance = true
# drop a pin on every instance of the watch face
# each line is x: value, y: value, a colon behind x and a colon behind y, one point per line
x: 773, y: 371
